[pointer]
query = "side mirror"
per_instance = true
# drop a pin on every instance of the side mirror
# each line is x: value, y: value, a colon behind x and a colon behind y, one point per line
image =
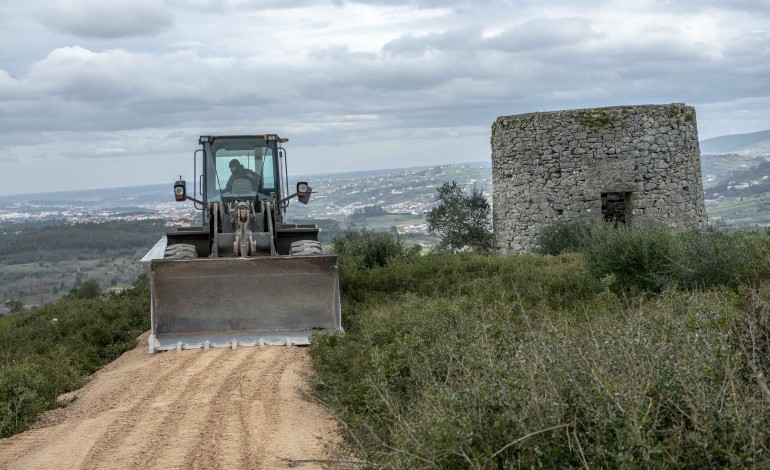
x: 180, y: 190
x: 303, y: 192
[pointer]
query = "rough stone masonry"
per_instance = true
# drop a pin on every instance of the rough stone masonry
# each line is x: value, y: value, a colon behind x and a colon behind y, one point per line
x: 626, y: 164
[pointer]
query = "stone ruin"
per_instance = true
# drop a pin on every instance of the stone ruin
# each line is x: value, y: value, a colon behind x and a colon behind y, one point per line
x: 626, y: 164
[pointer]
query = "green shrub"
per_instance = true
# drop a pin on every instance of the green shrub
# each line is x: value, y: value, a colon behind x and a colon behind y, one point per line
x: 467, y: 362
x: 710, y: 257
x: 52, y: 349
x: 372, y: 248
x: 529, y: 279
x: 650, y: 256
x: 566, y: 235
x: 640, y: 256
x: 653, y: 256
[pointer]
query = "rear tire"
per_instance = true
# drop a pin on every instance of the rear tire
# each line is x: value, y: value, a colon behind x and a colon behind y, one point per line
x: 180, y: 251
x: 305, y: 248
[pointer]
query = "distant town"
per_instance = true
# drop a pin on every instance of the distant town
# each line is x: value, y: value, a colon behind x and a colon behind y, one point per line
x: 407, y: 192
x: 737, y: 190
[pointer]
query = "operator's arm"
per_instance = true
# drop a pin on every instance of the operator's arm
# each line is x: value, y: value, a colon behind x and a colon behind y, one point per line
x: 229, y: 185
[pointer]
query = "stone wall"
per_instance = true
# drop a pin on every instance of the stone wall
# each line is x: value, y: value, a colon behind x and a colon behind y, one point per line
x: 624, y: 163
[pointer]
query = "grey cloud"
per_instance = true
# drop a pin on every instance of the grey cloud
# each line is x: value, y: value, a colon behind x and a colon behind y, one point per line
x: 456, y: 40
x: 108, y: 19
x: 223, y: 6
x: 755, y: 6
x: 535, y: 35
x: 460, y: 87
x: 541, y: 34
x: 6, y: 156
x: 453, y: 4
x: 338, y: 52
x: 77, y: 89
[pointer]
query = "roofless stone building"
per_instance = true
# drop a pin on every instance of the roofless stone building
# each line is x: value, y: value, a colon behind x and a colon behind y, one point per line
x: 625, y: 164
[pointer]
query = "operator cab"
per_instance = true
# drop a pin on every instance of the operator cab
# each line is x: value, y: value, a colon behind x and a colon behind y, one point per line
x: 241, y: 168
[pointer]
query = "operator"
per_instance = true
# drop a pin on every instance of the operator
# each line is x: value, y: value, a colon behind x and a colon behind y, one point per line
x: 238, y: 171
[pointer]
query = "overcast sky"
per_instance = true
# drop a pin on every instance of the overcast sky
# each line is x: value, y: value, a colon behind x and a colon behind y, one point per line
x: 98, y: 93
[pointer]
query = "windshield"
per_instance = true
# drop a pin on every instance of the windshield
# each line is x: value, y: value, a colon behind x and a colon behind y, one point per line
x: 242, y: 167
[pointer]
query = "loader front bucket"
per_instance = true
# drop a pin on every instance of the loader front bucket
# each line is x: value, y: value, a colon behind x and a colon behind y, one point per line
x: 229, y: 302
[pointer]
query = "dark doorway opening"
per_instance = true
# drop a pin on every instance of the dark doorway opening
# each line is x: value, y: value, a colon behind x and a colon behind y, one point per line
x: 616, y: 208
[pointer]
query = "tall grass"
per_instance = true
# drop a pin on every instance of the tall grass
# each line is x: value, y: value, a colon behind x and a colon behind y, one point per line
x: 542, y: 361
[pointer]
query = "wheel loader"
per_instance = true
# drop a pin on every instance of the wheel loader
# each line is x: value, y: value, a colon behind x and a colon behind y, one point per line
x: 245, y: 276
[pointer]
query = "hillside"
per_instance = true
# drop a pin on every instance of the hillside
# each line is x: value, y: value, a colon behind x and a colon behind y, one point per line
x: 755, y: 143
x: 41, y: 261
x: 648, y: 349
x: 739, y: 197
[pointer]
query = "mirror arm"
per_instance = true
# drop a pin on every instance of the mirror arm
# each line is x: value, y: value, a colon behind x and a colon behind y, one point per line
x: 190, y: 198
x: 287, y: 198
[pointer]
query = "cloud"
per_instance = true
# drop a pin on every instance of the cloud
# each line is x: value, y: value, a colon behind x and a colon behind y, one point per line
x: 108, y: 19
x: 355, y: 73
x: 451, y: 41
x: 543, y: 33
x: 6, y: 156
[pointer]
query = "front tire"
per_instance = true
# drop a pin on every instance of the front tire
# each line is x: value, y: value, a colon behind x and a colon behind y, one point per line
x: 180, y: 251
x: 305, y: 248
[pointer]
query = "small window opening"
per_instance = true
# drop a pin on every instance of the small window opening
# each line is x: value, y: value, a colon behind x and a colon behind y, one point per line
x: 559, y: 211
x: 616, y: 208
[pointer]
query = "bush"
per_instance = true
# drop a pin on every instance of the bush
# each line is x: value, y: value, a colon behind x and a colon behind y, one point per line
x: 372, y: 248
x: 14, y: 305
x: 651, y: 256
x: 640, y: 256
x: 566, y: 235
x: 711, y: 257
x: 470, y: 362
x: 52, y: 349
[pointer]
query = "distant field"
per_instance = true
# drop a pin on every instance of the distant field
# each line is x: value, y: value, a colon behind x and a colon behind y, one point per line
x: 741, y: 211
x: 41, y: 261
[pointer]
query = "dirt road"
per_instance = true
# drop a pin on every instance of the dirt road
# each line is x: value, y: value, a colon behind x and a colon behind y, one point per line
x: 191, y: 409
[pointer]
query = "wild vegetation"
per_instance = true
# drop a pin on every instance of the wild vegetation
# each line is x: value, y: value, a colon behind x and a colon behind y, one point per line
x: 623, y: 349
x: 651, y: 354
x: 53, y: 349
x: 373, y: 248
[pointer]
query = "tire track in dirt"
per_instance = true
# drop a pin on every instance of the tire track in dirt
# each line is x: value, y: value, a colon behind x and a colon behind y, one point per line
x: 94, y: 410
x: 182, y: 428
x: 288, y: 416
x: 126, y: 435
x: 244, y: 402
x: 188, y: 409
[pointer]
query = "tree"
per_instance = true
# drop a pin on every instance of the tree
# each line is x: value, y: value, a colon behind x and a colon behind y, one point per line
x: 461, y: 219
x: 89, y: 290
x: 14, y: 305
